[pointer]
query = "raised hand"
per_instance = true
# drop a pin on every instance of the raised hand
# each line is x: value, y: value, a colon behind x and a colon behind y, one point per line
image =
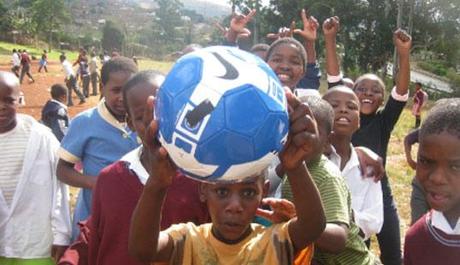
x: 303, y: 142
x: 283, y: 32
x: 160, y: 168
x: 282, y: 210
x: 331, y: 26
x: 239, y: 21
x: 402, y: 41
x: 310, y: 27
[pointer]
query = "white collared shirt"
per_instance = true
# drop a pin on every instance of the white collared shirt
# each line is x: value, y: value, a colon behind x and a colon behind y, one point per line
x: 439, y: 221
x: 68, y: 70
x: 366, y: 195
x: 16, y: 59
x: 134, y: 163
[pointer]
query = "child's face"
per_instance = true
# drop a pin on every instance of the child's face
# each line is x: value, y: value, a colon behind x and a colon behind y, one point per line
x: 286, y: 61
x: 346, y: 111
x: 370, y: 95
x: 438, y: 170
x: 232, y: 207
x: 136, y: 102
x: 9, y: 95
x: 113, y: 94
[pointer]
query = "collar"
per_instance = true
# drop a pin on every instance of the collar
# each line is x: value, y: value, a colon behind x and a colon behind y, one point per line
x: 108, y: 117
x: 59, y: 103
x: 439, y: 221
x: 133, y: 160
x: 337, y: 160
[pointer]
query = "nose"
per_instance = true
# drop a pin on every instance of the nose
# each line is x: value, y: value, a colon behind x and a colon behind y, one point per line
x: 437, y: 176
x: 343, y: 109
x: 234, y: 204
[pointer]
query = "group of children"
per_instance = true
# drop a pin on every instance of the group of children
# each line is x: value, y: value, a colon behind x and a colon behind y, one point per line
x: 21, y: 64
x: 330, y: 196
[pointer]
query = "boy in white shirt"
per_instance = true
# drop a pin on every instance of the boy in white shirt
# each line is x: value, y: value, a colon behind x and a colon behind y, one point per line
x: 70, y: 81
x: 34, y: 208
x: 366, y: 194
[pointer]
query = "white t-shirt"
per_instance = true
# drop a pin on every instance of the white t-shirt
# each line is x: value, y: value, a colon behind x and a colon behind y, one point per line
x: 68, y: 70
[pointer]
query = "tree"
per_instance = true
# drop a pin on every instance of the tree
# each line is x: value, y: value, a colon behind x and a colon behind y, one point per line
x: 48, y: 16
x: 112, y: 37
x: 5, y: 22
x: 167, y: 21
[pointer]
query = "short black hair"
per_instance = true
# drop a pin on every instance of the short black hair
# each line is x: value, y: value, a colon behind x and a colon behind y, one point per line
x: 418, y: 84
x: 117, y: 64
x: 14, y: 50
x: 62, y: 57
x: 141, y: 77
x: 289, y: 40
x: 443, y: 117
x: 260, y: 47
x: 321, y: 110
x: 58, y: 90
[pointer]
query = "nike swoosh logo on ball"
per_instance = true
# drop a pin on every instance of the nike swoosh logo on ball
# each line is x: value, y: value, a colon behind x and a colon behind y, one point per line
x: 230, y: 71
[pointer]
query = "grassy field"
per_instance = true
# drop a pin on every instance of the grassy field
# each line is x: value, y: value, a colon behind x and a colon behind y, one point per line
x: 399, y: 172
x: 7, y: 48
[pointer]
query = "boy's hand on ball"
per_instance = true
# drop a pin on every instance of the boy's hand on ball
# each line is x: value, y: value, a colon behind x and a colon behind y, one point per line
x: 303, y: 139
x: 161, y: 168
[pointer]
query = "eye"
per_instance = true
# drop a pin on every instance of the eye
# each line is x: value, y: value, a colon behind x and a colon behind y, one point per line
x: 360, y: 89
x: 352, y: 106
x: 455, y: 167
x: 248, y: 193
x: 221, y: 192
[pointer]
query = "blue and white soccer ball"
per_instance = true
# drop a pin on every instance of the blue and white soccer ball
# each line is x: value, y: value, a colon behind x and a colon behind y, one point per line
x: 222, y: 114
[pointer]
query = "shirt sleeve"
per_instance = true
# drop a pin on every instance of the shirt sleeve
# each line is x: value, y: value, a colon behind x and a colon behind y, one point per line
x: 74, y: 142
x: 60, y: 216
x: 369, y: 218
x: 334, y: 193
x: 334, y: 80
x: 311, y: 78
x: 393, y: 109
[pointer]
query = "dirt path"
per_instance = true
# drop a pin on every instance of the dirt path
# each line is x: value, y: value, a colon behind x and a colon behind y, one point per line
x: 37, y: 93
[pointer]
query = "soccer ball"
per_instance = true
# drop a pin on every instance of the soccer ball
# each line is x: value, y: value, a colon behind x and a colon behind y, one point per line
x: 222, y: 114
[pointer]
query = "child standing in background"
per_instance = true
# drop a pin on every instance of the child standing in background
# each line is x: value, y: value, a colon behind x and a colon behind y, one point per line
x: 420, y: 98
x: 54, y: 113
x: 107, y: 141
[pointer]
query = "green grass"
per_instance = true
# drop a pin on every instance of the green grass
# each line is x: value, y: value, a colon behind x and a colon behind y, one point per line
x: 7, y: 48
x: 147, y: 64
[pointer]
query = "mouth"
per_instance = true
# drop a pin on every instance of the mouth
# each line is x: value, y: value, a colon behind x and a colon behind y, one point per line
x: 437, y: 199
x: 367, y: 101
x: 342, y: 120
x: 284, y: 77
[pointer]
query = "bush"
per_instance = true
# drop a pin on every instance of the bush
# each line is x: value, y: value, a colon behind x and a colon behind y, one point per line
x: 435, y: 67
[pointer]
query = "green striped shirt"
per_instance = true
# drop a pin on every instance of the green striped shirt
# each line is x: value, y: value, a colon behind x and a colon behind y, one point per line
x: 336, y: 200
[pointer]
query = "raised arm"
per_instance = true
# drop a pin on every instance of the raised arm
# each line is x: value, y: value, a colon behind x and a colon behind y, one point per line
x: 238, y: 27
x: 403, y: 43
x: 303, y: 141
x: 146, y: 243
x: 330, y: 28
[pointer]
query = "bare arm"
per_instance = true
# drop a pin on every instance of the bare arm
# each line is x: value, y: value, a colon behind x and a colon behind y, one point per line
x: 330, y: 29
x: 333, y: 238
x: 66, y: 173
x: 146, y: 243
x: 303, y: 141
x: 403, y: 43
